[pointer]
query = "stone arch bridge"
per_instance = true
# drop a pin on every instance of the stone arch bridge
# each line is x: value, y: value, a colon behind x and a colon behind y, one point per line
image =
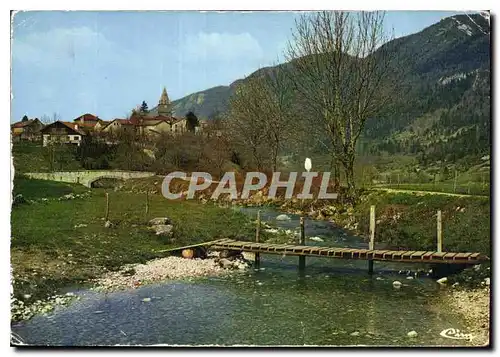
x: 86, y: 178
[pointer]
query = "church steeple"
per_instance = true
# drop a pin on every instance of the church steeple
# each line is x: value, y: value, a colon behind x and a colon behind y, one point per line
x: 164, y: 104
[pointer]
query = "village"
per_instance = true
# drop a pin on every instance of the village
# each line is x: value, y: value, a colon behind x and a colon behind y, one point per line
x: 147, y: 123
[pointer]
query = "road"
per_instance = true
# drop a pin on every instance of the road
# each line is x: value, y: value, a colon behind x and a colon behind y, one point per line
x: 397, y: 190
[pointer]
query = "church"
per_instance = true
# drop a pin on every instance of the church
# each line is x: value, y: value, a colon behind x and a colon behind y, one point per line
x: 155, y: 122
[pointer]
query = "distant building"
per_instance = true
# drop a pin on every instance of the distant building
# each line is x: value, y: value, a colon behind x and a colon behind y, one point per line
x: 26, y: 130
x: 62, y: 132
x: 152, y: 123
x: 87, y: 122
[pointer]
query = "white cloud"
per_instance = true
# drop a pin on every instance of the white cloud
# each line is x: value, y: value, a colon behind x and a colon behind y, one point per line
x: 221, y: 47
x: 63, y: 46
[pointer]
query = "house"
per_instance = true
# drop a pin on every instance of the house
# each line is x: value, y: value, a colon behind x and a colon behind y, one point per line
x: 87, y: 122
x: 26, y: 129
x: 62, y: 132
x: 116, y: 126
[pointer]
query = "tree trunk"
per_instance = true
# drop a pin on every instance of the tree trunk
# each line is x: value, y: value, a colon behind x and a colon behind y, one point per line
x: 349, y: 174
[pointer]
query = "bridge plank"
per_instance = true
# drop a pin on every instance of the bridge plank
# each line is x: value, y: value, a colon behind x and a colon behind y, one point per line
x: 417, y: 255
x: 438, y: 254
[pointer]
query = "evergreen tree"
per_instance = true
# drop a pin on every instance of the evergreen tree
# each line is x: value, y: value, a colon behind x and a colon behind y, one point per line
x: 192, y: 121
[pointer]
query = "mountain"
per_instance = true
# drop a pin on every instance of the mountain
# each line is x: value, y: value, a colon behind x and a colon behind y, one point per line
x: 443, y: 110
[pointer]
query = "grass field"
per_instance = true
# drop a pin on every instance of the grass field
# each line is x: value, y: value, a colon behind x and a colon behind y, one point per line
x: 59, y: 243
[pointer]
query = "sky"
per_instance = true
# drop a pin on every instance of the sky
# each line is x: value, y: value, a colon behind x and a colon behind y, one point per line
x: 106, y: 63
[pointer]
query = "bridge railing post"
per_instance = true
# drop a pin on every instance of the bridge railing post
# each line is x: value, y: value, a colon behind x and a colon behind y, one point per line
x: 439, y: 232
x: 257, y: 239
x: 302, y: 241
x: 371, y: 244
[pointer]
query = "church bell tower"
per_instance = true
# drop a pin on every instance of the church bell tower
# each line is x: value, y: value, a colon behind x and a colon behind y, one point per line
x: 164, y: 105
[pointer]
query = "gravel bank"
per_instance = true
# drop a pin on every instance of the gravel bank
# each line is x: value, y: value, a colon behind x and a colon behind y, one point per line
x: 136, y: 275
x: 474, y: 307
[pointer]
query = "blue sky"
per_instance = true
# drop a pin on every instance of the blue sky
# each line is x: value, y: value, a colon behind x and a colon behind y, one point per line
x: 106, y: 63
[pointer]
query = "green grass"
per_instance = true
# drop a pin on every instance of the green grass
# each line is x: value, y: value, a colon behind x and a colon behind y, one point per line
x: 409, y: 221
x: 49, y: 252
x: 36, y: 189
x: 32, y: 157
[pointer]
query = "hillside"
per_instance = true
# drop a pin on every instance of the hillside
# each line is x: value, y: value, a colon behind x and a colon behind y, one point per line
x: 443, y: 112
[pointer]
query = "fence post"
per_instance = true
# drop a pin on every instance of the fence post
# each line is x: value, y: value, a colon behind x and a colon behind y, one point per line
x: 371, y: 245
x: 257, y: 239
x: 439, y: 232
x: 302, y: 241
x: 107, y: 207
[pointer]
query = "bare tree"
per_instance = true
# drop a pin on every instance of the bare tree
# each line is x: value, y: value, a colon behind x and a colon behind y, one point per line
x: 260, y: 114
x: 247, y: 123
x: 344, y: 76
x: 277, y: 90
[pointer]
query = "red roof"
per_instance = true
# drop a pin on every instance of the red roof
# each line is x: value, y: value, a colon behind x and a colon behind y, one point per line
x: 87, y: 117
x: 22, y: 124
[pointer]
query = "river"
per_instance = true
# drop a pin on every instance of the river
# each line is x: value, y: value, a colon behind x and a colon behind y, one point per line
x: 334, y: 302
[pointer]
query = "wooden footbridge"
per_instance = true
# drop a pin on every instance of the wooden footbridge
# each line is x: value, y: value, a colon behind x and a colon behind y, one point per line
x: 302, y: 250
x: 342, y: 253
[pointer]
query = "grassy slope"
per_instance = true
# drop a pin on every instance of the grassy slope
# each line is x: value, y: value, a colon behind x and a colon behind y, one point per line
x: 48, y: 252
x: 466, y: 221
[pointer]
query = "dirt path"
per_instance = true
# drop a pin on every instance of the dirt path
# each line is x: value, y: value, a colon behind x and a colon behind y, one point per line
x: 419, y: 192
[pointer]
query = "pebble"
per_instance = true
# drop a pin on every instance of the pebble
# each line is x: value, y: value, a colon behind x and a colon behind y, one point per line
x: 412, y: 334
x: 487, y: 281
x: 146, y: 299
x: 355, y: 333
x: 409, y: 277
x: 378, y: 278
x: 157, y: 270
x: 397, y: 284
x: 442, y: 281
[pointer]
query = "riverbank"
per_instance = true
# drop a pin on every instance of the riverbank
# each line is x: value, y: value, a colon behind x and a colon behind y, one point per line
x: 474, y: 308
x: 56, y: 243
x: 171, y: 268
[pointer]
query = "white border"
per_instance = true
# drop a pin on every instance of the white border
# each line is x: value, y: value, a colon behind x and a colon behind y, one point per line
x: 181, y: 5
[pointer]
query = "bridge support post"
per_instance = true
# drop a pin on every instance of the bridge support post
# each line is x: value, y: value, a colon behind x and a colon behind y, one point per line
x: 257, y: 239
x: 371, y: 245
x: 302, y: 241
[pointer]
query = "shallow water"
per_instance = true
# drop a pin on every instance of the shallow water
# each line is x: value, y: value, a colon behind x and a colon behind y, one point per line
x: 334, y: 302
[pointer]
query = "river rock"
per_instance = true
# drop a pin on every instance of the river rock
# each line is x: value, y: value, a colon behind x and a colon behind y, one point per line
x: 397, y: 284
x: 159, y: 220
x: 442, y: 281
x: 229, y: 254
x: 316, y: 239
x: 164, y: 230
x: 412, y: 334
x: 226, y: 263
x: 283, y: 217
x: 18, y: 199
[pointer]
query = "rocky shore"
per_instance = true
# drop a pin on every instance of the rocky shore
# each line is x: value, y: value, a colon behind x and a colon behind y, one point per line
x: 474, y: 307
x: 169, y: 268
